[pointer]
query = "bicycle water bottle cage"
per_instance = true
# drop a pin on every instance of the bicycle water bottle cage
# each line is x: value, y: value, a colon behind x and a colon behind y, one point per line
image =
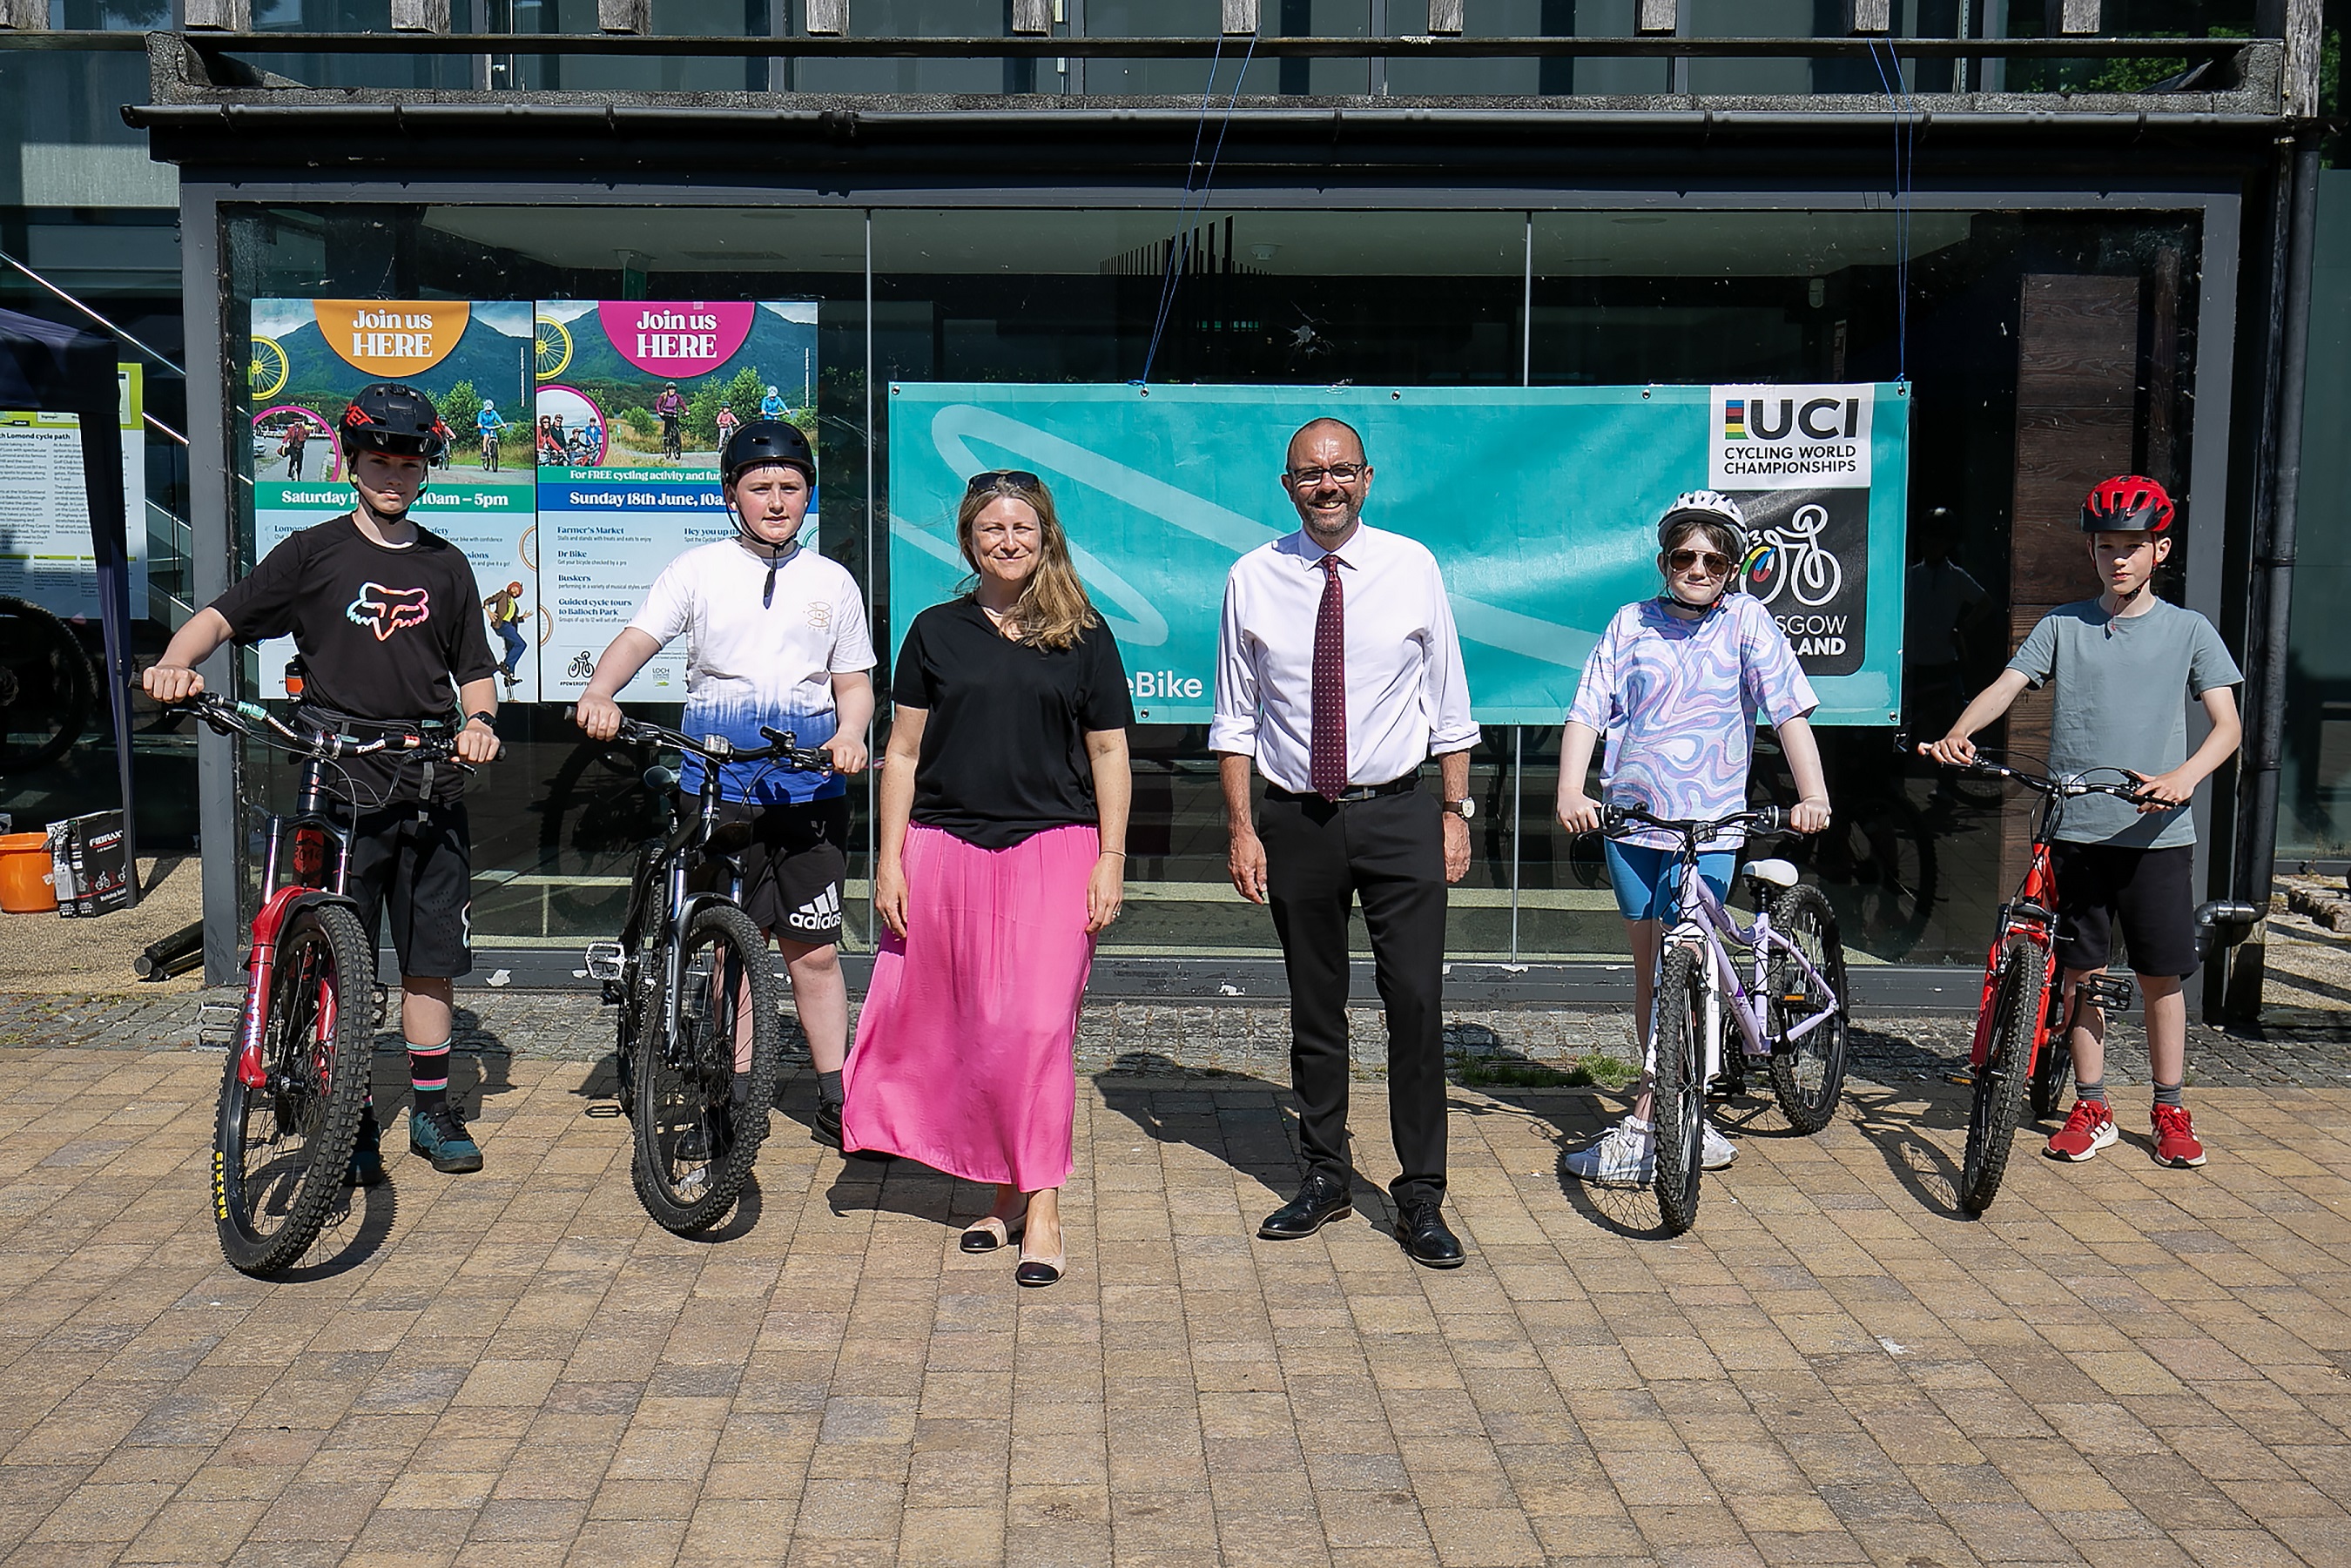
x: 2107, y: 993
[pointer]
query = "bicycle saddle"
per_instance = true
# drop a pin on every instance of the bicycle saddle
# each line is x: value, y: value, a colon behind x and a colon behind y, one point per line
x: 1772, y: 873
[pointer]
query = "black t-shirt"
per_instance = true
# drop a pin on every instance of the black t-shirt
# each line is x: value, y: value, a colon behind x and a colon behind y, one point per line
x: 1004, y: 748
x: 386, y: 635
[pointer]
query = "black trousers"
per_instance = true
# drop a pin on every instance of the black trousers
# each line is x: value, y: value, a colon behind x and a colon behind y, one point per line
x: 1389, y: 851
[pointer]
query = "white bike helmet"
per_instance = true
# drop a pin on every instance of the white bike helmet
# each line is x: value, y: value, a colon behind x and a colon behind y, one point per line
x: 1705, y: 507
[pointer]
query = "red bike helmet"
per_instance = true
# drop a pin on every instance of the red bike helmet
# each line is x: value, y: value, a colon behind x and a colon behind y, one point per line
x: 2128, y: 502
x: 390, y: 417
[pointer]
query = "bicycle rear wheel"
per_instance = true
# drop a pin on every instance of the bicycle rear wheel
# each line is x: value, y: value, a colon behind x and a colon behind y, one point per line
x: 1808, y: 1074
x: 46, y: 686
x: 2001, y: 1082
x: 1678, y: 1110
x: 2054, y: 1065
x: 694, y: 1144
x: 279, y: 1152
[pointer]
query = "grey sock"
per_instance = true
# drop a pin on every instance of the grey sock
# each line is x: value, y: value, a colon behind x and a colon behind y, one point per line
x: 2169, y: 1095
x: 828, y: 1088
x: 2096, y: 1093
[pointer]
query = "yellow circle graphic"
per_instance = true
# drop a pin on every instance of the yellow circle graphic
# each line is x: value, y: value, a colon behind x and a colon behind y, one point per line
x: 269, y: 371
x: 554, y: 348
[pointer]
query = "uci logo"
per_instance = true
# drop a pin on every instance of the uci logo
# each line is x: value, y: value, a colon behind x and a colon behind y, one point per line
x: 1785, y: 418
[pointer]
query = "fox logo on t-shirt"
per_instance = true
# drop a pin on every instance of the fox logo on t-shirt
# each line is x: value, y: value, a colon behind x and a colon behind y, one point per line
x: 387, y: 610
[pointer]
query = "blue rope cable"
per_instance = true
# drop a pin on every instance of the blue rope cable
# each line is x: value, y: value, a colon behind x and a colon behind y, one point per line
x: 1905, y: 164
x: 1171, y: 281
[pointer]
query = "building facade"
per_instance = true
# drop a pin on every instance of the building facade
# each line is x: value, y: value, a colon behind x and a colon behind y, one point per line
x: 2068, y: 249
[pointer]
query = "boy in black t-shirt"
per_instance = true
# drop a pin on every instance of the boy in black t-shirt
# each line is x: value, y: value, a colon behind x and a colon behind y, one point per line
x: 383, y: 615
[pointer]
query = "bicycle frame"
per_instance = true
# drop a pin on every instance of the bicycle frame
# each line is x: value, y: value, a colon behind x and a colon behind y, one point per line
x: 1714, y: 926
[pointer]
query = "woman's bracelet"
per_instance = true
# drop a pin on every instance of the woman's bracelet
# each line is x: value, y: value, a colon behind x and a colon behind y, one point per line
x: 1120, y: 853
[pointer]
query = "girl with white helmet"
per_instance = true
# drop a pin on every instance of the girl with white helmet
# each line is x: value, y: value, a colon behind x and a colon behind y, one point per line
x: 1676, y: 684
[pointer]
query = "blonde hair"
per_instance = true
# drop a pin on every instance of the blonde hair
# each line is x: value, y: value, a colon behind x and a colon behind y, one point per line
x: 1053, y: 610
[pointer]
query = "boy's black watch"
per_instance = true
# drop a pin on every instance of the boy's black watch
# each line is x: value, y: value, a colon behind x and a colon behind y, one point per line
x: 486, y: 716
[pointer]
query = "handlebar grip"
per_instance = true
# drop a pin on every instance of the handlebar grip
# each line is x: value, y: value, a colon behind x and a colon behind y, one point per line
x: 1770, y: 818
x: 1612, y: 817
x: 783, y: 737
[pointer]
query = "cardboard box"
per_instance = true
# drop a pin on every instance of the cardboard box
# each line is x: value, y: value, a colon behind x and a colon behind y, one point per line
x: 92, y: 877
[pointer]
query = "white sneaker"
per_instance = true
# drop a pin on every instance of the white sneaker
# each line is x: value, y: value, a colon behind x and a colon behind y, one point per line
x: 1716, y: 1152
x: 1624, y: 1156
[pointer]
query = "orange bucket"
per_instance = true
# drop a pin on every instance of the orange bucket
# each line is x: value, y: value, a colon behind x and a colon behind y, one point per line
x: 26, y: 885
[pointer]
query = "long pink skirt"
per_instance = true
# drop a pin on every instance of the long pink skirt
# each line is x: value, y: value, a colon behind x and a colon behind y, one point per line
x: 966, y: 1048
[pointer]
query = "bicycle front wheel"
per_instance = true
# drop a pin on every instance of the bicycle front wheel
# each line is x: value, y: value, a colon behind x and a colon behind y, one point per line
x: 695, y: 1144
x: 46, y: 686
x: 279, y: 1151
x: 1677, y: 1109
x: 1807, y: 1072
x: 2001, y: 1082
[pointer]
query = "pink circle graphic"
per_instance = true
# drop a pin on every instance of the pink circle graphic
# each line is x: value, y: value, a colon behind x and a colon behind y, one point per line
x: 274, y: 420
x: 554, y: 397
x: 676, y: 338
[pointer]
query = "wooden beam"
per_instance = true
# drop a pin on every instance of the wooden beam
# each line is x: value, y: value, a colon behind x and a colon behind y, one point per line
x: 1032, y: 17
x: 25, y: 16
x: 420, y: 15
x: 2074, y: 18
x: 1445, y: 17
x: 624, y: 16
x: 216, y: 15
x: 1657, y: 19
x: 1869, y: 18
x: 1240, y: 17
x: 825, y: 17
x: 2297, y: 22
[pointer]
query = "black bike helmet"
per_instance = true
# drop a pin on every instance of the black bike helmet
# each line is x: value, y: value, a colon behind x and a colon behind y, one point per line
x: 763, y: 442
x: 390, y: 417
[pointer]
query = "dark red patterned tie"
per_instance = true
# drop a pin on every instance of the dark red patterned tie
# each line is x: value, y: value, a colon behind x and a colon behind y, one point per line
x: 1326, y: 756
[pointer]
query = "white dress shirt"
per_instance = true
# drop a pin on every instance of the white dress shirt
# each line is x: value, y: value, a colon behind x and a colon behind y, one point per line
x: 1406, y: 696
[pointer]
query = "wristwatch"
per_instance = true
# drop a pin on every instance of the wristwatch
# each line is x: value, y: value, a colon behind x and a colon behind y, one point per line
x: 486, y: 715
x: 1463, y: 808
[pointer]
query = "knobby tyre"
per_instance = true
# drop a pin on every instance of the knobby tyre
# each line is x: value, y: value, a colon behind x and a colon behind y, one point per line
x: 2001, y: 1082
x: 1677, y: 1110
x: 46, y: 686
x: 279, y: 1152
x: 2055, y: 1064
x: 693, y: 1150
x: 1807, y: 1072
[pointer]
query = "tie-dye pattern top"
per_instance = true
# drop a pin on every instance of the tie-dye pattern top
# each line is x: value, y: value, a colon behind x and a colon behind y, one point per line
x: 1677, y: 701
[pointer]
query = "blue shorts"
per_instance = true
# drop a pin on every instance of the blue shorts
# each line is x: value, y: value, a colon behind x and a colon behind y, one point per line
x: 1642, y: 877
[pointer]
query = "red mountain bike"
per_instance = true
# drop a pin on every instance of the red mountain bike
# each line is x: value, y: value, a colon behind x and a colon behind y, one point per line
x: 297, y: 1079
x: 2021, y: 1023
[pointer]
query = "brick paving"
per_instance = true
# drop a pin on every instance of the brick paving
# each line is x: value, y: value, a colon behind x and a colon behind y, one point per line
x: 2120, y: 1365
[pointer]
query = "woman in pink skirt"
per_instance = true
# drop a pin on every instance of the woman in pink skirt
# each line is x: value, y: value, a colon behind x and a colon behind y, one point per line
x: 1003, y: 852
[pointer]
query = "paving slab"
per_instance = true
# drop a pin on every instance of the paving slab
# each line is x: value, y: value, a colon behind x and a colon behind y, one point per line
x: 2119, y: 1364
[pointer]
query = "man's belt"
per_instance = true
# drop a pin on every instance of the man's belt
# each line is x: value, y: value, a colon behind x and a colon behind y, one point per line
x: 1403, y: 785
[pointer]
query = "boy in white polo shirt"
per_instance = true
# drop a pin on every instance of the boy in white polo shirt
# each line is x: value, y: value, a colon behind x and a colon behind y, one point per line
x: 774, y: 635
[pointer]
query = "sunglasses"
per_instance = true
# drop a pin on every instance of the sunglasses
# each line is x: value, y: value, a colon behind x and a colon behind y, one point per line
x: 1707, y: 560
x: 1001, y: 479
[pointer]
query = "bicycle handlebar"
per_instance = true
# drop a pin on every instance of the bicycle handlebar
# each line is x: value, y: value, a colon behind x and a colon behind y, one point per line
x: 257, y: 723
x: 2061, y: 785
x: 1760, y: 819
x: 783, y: 746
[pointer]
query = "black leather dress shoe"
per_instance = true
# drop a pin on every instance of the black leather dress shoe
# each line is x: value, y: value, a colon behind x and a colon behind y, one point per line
x: 1421, y: 1228
x: 1318, y: 1202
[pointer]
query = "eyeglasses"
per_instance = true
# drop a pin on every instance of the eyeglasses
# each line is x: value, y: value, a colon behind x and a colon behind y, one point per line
x: 1706, y: 560
x: 1339, y: 473
x: 1001, y: 478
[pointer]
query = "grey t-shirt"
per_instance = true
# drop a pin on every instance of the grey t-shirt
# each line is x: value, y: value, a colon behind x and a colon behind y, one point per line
x: 2124, y: 683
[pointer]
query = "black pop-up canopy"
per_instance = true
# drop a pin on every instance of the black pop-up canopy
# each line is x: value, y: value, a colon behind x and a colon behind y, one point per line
x: 61, y: 370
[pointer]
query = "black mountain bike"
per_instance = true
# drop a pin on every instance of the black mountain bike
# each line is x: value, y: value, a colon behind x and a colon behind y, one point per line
x: 698, y: 997
x: 291, y: 1095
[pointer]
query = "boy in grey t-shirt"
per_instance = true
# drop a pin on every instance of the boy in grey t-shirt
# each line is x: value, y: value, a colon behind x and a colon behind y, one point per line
x: 2126, y: 666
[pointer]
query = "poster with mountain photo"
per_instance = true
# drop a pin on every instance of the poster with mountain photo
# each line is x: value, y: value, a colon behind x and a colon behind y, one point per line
x: 634, y: 398
x: 309, y: 357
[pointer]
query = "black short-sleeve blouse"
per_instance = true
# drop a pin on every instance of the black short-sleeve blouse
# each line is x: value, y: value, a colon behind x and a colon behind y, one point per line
x: 1004, y: 748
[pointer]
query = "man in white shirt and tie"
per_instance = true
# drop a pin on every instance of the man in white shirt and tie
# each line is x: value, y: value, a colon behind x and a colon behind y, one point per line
x: 1339, y: 673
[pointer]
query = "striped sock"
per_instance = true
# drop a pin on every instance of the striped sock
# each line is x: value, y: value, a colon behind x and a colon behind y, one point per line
x: 428, y: 1073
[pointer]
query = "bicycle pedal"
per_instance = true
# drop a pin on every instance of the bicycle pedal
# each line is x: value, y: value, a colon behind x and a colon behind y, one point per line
x: 2109, y: 993
x: 217, y: 1024
x: 604, y: 960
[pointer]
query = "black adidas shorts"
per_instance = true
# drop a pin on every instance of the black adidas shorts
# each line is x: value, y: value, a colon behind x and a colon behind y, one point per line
x: 416, y: 860
x: 2147, y: 892
x: 794, y: 859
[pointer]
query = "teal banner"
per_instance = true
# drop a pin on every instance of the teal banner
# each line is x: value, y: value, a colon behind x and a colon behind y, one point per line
x: 1539, y: 502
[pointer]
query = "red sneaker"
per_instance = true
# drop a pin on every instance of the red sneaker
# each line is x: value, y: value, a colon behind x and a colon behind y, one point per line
x: 2090, y: 1128
x: 2175, y: 1139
